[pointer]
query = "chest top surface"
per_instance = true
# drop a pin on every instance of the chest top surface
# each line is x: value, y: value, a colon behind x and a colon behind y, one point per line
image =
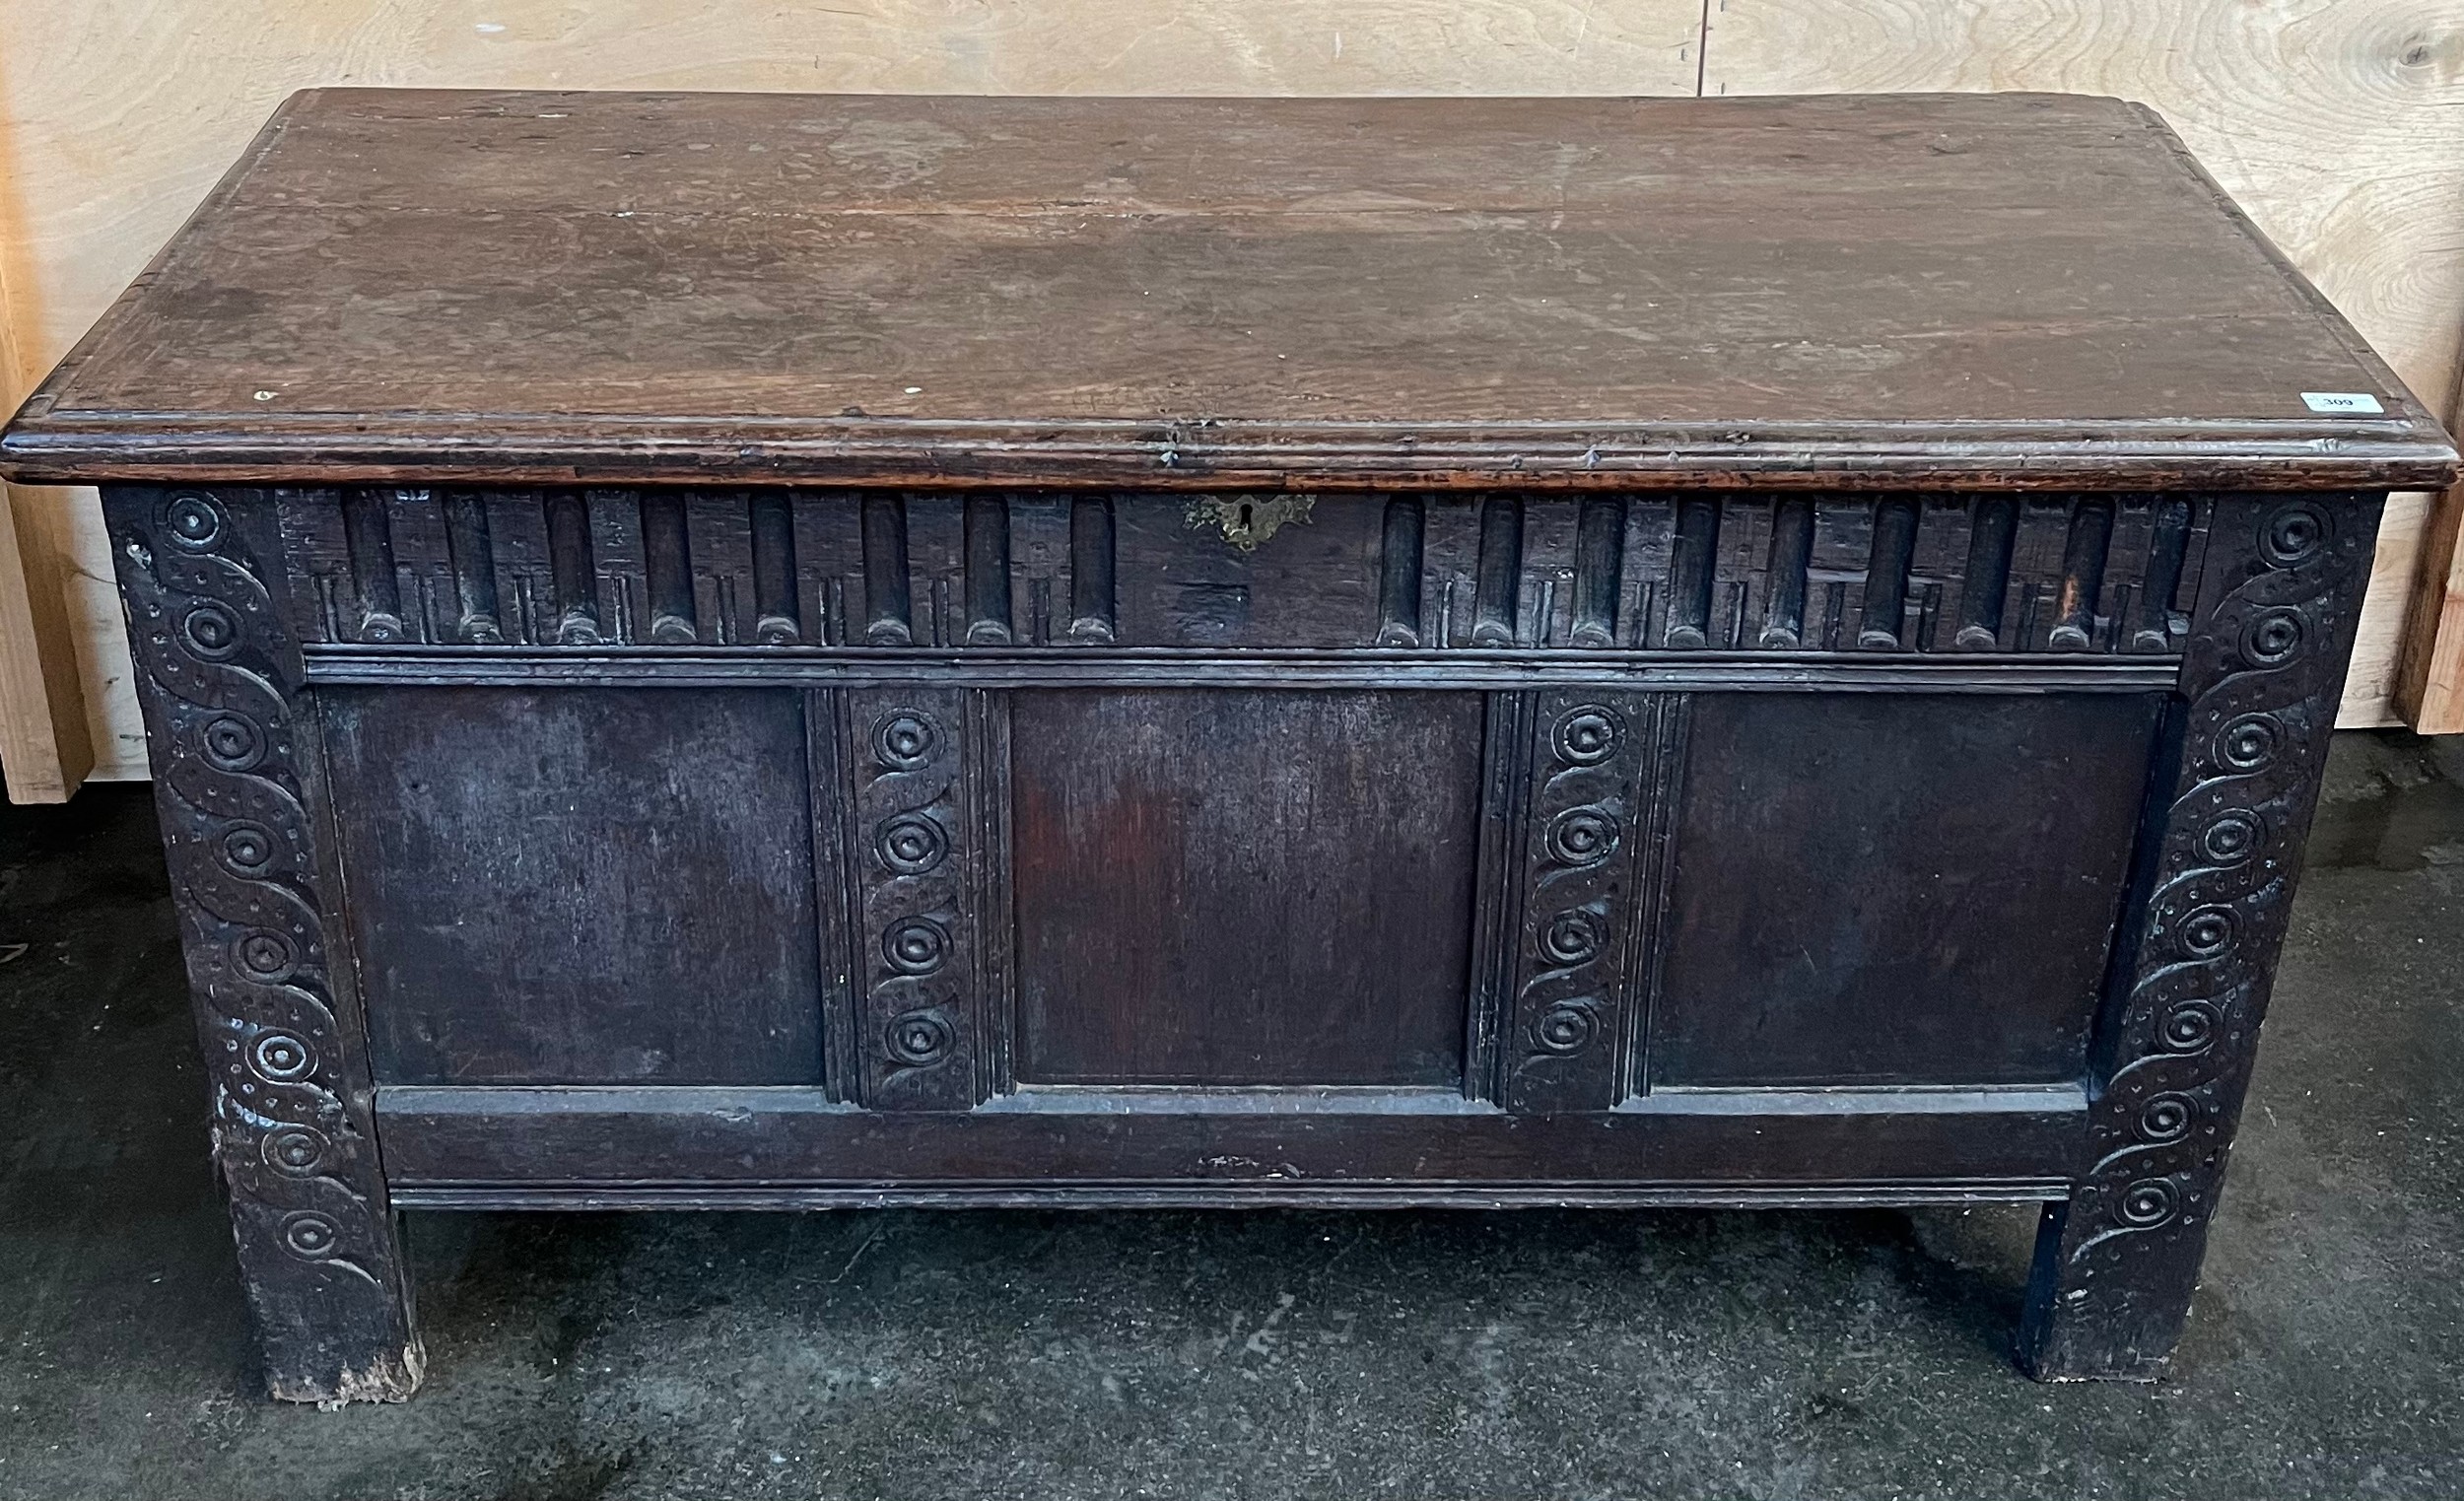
x: 2022, y: 290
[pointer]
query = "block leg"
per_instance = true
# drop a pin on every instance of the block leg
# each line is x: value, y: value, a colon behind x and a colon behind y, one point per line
x: 2098, y: 1309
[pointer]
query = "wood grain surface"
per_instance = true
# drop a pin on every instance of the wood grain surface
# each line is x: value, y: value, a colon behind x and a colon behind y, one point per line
x: 2429, y: 671
x: 46, y: 744
x: 2006, y: 291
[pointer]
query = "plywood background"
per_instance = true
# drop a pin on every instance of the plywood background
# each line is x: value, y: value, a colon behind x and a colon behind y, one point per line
x: 2335, y: 121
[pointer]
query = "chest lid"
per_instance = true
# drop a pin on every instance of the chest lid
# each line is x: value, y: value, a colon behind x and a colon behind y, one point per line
x: 2024, y: 290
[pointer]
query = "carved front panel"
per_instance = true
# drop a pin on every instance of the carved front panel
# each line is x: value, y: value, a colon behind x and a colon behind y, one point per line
x: 1686, y: 572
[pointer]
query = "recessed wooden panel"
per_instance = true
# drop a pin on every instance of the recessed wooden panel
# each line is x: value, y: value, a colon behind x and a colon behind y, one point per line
x: 1916, y: 889
x: 581, y: 885
x: 1243, y: 887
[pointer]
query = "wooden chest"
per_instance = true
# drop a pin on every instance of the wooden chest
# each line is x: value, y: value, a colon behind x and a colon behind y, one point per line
x: 761, y: 650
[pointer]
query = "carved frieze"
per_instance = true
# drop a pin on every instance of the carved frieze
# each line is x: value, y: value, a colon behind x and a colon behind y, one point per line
x: 1937, y: 575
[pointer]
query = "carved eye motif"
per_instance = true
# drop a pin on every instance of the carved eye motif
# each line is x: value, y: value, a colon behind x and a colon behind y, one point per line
x: 231, y: 743
x: 310, y: 1236
x: 2166, y: 1118
x: 2293, y: 534
x: 265, y: 954
x: 2231, y: 835
x: 2189, y: 1027
x: 920, y: 1039
x: 2248, y: 743
x: 210, y: 631
x: 2273, y: 636
x: 248, y: 850
x: 2208, y: 932
x: 280, y: 1057
x: 912, y: 844
x: 1582, y: 837
x: 2149, y: 1202
x: 905, y: 741
x: 1587, y: 736
x: 1573, y: 937
x: 915, y: 946
x: 194, y: 521
x: 296, y: 1151
x: 1565, y: 1029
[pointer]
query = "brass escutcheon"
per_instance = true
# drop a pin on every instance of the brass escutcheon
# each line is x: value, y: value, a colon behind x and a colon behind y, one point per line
x: 1248, y: 520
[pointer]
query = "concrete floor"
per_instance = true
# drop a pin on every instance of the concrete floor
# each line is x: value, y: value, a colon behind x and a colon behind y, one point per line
x: 1235, y: 1355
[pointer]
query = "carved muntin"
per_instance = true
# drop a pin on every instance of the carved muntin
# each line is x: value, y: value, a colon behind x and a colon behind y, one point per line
x: 921, y: 854
x: 1573, y: 861
x: 1910, y: 575
x: 237, y: 773
x: 2229, y: 812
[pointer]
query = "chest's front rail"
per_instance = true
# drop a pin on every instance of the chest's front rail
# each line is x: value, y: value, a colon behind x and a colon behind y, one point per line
x: 819, y: 848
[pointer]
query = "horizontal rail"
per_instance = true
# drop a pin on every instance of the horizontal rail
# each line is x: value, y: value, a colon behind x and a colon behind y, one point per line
x: 1088, y: 667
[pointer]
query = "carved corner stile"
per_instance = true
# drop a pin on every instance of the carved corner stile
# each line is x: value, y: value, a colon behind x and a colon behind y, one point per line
x: 2117, y: 1263
x: 237, y: 781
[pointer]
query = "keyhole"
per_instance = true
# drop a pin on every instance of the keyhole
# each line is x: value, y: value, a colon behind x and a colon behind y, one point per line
x: 1244, y: 517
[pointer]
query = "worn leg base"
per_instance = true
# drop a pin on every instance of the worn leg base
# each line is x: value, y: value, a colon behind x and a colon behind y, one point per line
x: 2107, y: 1306
x: 332, y: 1311
x: 390, y: 1378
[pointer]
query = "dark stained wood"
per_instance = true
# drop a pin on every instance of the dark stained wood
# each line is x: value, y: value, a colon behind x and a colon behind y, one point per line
x: 815, y: 652
x: 1315, y: 577
x: 1580, y: 789
x: 1905, y: 890
x: 581, y: 888
x: 1246, y: 888
x: 919, y: 812
x: 1723, y: 673
x: 2006, y: 290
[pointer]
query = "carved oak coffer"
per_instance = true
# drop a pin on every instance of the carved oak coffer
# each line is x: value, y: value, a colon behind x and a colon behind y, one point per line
x: 776, y: 652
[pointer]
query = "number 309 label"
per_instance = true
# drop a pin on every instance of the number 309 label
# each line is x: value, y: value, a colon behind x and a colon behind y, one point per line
x: 2362, y: 402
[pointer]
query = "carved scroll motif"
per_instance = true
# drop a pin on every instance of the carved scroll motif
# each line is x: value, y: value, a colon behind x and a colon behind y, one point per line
x: 917, y: 846
x: 1597, y: 775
